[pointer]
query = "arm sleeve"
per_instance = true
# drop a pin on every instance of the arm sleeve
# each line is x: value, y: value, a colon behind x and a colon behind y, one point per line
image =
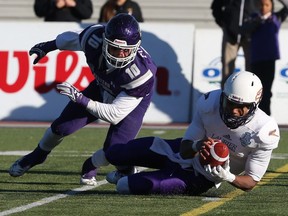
x: 257, y: 163
x: 113, y: 113
x: 68, y: 41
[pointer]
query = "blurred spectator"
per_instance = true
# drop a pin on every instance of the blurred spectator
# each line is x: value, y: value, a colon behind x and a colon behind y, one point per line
x: 63, y: 10
x: 285, y: 3
x: 264, y: 28
x: 229, y: 15
x: 113, y: 7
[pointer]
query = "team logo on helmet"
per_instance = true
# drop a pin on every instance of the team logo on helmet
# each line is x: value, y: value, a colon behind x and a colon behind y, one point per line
x: 259, y: 96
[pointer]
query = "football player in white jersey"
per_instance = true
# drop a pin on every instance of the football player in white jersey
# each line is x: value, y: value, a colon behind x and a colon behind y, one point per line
x: 232, y: 116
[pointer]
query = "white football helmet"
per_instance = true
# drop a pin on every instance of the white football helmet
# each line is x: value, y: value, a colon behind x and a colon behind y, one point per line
x: 243, y: 89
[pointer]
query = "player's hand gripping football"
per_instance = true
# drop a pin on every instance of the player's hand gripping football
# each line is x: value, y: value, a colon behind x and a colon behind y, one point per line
x: 221, y: 173
x: 204, y: 149
x: 73, y: 93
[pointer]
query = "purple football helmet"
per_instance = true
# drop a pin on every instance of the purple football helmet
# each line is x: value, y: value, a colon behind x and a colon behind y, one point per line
x: 121, y: 32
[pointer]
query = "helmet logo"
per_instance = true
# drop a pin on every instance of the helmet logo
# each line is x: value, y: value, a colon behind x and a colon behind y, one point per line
x: 259, y: 95
x: 235, y: 98
x: 120, y: 42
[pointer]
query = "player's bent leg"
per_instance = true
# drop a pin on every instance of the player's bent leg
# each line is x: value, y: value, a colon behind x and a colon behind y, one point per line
x: 88, y: 173
x: 50, y: 140
x: 136, y: 152
x: 89, y: 168
x: 154, y: 182
x: 99, y: 159
x: 38, y: 156
x: 25, y: 163
x: 128, y: 155
x: 120, y: 135
x: 71, y: 119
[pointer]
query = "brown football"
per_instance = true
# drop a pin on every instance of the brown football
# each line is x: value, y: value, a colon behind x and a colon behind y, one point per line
x: 219, y: 153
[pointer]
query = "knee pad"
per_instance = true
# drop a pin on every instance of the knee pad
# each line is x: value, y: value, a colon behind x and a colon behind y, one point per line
x: 99, y: 159
x: 122, y: 186
x: 50, y: 140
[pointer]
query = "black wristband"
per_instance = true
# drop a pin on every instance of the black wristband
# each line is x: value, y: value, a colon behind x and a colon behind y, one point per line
x: 49, y: 46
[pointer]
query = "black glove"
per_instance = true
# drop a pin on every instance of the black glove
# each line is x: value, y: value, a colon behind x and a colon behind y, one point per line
x: 42, y: 49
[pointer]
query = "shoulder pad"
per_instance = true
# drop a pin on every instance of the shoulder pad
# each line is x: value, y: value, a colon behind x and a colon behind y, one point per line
x: 209, y: 101
x: 92, y: 35
x: 269, y: 135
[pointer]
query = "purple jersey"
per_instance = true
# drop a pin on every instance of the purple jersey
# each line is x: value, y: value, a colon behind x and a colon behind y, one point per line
x: 135, y: 80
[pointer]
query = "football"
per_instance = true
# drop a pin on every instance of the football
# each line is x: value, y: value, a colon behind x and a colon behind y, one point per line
x: 219, y: 153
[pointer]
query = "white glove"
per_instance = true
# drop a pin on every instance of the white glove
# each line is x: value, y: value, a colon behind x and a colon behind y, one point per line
x: 220, y: 173
x: 73, y: 93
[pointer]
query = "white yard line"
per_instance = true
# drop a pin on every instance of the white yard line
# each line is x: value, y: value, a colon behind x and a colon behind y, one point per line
x: 74, y: 154
x: 51, y: 199
x: 56, y: 197
x: 73, y: 191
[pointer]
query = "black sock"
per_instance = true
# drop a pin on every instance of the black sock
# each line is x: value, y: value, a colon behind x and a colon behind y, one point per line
x: 37, y: 156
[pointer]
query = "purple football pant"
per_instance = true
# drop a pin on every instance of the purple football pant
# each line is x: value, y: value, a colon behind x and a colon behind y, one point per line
x: 75, y: 117
x: 169, y: 178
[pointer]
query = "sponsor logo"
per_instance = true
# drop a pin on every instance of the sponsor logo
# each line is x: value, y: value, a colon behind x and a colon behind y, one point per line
x: 67, y: 64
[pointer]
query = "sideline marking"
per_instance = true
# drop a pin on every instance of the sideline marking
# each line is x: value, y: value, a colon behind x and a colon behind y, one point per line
x: 229, y: 196
x: 51, y: 199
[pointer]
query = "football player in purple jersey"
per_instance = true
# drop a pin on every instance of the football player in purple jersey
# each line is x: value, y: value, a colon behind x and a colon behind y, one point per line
x: 230, y: 115
x: 120, y: 94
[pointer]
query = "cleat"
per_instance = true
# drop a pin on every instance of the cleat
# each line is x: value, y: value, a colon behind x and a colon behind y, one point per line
x: 88, y: 181
x: 114, y: 176
x: 25, y: 163
x: 17, y: 170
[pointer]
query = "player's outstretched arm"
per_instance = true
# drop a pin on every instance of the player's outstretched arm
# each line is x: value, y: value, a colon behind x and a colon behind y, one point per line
x: 73, y: 93
x: 243, y: 182
x: 41, y: 49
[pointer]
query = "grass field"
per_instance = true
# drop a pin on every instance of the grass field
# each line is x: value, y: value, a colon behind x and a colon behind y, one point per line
x: 53, y: 188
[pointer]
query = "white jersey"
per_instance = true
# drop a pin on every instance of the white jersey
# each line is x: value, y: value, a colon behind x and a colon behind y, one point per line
x: 250, y: 145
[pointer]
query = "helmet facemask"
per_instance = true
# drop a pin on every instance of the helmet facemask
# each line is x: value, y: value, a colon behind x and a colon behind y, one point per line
x: 230, y: 120
x: 118, y: 62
